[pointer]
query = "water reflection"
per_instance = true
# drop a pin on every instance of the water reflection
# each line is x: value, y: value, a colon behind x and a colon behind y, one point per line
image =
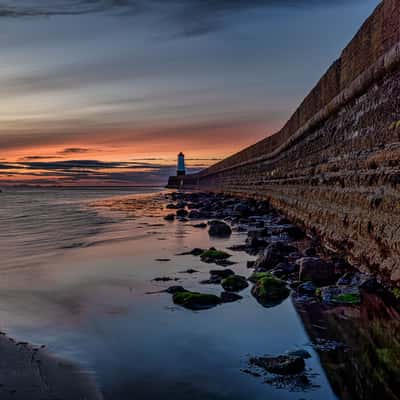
x: 368, y: 366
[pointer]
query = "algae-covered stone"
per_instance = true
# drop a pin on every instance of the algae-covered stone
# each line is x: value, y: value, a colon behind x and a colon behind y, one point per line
x: 195, y: 301
x: 340, y: 295
x: 269, y: 290
x: 235, y: 283
x: 213, y: 255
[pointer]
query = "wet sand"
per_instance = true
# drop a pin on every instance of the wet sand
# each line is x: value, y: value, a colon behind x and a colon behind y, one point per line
x: 30, y: 373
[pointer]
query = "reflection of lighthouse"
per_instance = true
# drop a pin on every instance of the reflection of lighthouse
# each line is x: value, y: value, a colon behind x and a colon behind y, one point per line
x: 181, y: 171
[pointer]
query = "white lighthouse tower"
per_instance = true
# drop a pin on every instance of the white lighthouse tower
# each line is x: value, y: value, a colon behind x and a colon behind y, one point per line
x: 181, y: 170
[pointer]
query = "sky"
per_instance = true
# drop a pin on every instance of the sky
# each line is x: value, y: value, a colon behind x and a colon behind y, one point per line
x: 108, y: 92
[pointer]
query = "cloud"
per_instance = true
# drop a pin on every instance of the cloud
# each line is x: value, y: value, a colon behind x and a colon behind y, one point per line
x: 73, y: 150
x: 190, y: 17
x: 87, y: 173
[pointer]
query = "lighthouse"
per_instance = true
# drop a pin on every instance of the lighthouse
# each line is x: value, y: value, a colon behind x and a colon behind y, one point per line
x: 181, y: 170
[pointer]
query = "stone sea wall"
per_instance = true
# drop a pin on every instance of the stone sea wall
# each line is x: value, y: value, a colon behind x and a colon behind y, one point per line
x: 335, y: 166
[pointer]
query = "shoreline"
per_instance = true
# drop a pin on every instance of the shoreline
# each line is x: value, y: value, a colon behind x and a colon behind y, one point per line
x: 29, y: 372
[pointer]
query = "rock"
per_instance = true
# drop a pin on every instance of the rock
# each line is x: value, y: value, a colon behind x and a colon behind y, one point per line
x: 203, y: 225
x: 256, y: 243
x: 371, y: 285
x: 258, y: 233
x: 195, y: 300
x: 224, y: 263
x: 216, y: 276
x: 282, y: 365
x: 340, y: 295
x: 182, y: 213
x: 304, y: 354
x: 279, y: 273
x: 195, y: 252
x: 273, y: 255
x: 229, y: 297
x: 195, y: 214
x: 307, y: 288
x: 341, y: 266
x: 212, y: 255
x: 316, y: 270
x: 220, y: 229
x: 241, y: 209
x: 221, y: 273
x: 235, y: 283
x: 169, y: 217
x: 172, y: 206
x: 190, y: 271
x: 310, y: 252
x: 165, y: 279
x: 175, y: 289
x: 346, y: 279
x: 268, y: 290
x: 238, y: 247
x: 294, y: 232
x: 288, y: 268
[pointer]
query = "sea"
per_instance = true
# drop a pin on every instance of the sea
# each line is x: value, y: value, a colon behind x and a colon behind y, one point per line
x: 77, y: 270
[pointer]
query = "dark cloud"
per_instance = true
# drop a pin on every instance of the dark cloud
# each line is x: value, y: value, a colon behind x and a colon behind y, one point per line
x: 190, y: 17
x: 32, y: 158
x: 87, y: 172
x: 74, y: 150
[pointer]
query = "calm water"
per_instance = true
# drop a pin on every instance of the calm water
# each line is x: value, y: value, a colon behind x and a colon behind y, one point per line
x: 75, y: 278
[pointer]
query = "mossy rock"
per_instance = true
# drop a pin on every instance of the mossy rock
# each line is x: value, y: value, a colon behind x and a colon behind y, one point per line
x: 269, y: 290
x: 396, y: 293
x: 347, y: 298
x: 256, y: 276
x: 195, y: 301
x: 235, y: 283
x: 213, y: 255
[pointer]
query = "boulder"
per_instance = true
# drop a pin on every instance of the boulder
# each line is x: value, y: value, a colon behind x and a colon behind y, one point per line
x: 195, y: 252
x: 169, y: 217
x: 241, y: 209
x: 234, y: 283
x: 304, y: 354
x: 213, y: 255
x: 282, y: 365
x: 195, y: 300
x: 217, y: 276
x: 307, y: 288
x: 316, y: 270
x: 340, y: 295
x: 294, y: 232
x: 229, y: 297
x: 202, y: 225
x: 310, y: 252
x: 182, y: 213
x: 220, y: 229
x: 274, y: 254
x: 175, y: 289
x: 195, y: 214
x: 268, y: 290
